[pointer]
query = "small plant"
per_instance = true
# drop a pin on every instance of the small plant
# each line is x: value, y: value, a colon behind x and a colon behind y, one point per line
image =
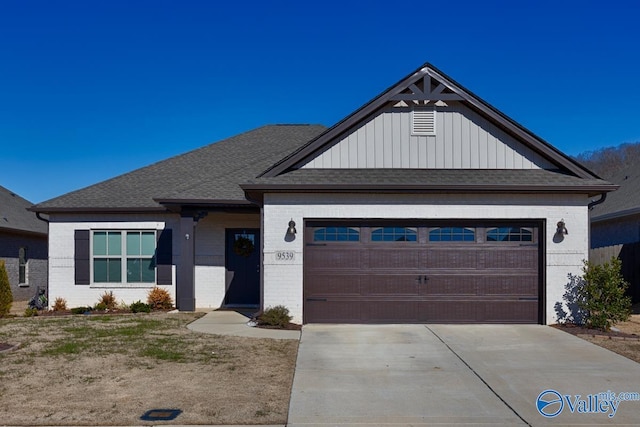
x: 80, y: 310
x: 140, y: 307
x: 123, y: 306
x: 6, y: 297
x: 30, y: 312
x: 159, y: 298
x: 107, y: 301
x: 601, y: 295
x: 277, y: 316
x: 60, y: 304
x: 100, y: 307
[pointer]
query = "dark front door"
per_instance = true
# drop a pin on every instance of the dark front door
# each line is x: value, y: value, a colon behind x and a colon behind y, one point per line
x: 243, y: 267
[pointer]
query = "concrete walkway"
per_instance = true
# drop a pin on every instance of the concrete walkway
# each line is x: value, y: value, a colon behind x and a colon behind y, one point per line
x: 233, y: 323
x: 452, y: 375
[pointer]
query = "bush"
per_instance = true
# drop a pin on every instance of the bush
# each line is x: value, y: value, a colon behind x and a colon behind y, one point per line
x: 277, y: 316
x: 30, y: 312
x: 107, y: 301
x: 60, y: 304
x: 159, y: 298
x: 80, y: 310
x: 140, y: 307
x: 6, y: 297
x: 601, y: 295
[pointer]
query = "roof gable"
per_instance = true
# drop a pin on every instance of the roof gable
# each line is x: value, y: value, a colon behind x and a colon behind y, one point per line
x: 427, y: 87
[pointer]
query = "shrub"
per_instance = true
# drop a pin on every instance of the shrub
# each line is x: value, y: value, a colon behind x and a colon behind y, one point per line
x: 6, y: 297
x: 601, y: 295
x: 80, y: 310
x: 60, y: 304
x: 159, y: 298
x: 107, y: 301
x: 140, y: 307
x: 100, y: 306
x: 30, y: 312
x: 277, y: 316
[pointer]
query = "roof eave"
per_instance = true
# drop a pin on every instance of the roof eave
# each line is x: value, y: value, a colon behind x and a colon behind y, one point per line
x: 255, y: 192
x: 89, y: 209
x: 616, y: 215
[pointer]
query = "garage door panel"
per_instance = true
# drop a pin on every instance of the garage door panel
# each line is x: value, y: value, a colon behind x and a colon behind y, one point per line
x: 389, y: 311
x: 389, y: 285
x: 511, y: 311
x: 513, y: 258
x: 336, y: 256
x: 335, y: 284
x: 457, y: 257
x: 332, y: 311
x: 450, y: 285
x: 451, y: 311
x: 510, y: 285
x: 395, y: 258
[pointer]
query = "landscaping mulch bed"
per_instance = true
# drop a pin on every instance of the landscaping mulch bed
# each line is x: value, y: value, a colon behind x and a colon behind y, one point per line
x: 581, y: 331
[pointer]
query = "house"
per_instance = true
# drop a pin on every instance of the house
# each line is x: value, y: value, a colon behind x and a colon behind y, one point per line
x: 23, y: 245
x: 615, y: 227
x: 424, y: 205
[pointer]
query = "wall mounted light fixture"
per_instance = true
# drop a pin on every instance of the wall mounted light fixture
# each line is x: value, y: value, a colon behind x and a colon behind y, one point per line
x: 292, y: 227
x: 561, y: 227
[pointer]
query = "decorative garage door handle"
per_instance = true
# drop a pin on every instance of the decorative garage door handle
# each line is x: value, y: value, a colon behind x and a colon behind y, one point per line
x: 422, y: 279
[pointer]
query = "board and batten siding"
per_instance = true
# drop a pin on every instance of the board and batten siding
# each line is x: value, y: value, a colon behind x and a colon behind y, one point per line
x: 462, y: 140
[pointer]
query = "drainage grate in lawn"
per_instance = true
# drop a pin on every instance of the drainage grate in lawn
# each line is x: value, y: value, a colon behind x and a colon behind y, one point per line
x: 161, y: 415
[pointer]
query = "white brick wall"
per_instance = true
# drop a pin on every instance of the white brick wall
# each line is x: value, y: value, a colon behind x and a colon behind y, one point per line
x: 283, y: 280
x: 210, y: 273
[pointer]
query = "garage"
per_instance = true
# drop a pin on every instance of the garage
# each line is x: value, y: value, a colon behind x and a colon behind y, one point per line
x: 418, y: 271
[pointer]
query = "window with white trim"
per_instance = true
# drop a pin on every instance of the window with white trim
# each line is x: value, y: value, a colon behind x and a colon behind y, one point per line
x: 120, y: 256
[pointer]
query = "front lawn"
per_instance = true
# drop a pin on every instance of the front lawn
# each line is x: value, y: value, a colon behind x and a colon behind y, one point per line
x: 111, y: 369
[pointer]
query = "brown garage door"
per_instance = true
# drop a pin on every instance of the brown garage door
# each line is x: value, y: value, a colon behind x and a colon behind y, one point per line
x: 411, y: 272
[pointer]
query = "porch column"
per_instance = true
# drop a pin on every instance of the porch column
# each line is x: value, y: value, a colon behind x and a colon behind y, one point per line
x: 185, y: 284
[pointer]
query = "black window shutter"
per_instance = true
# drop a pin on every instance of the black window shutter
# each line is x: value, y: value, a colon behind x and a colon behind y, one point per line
x: 81, y: 257
x: 164, y: 257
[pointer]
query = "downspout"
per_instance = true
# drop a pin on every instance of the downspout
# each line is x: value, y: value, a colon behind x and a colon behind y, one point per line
x: 41, y: 218
x: 597, y: 202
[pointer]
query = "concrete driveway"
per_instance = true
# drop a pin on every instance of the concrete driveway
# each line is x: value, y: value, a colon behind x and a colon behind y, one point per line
x: 457, y: 374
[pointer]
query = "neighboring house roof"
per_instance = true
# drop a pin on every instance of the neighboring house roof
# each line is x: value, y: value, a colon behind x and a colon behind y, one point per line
x: 14, y: 215
x: 625, y: 201
x: 211, y: 173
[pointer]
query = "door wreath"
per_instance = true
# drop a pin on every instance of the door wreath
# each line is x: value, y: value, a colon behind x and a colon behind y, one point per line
x: 243, y: 246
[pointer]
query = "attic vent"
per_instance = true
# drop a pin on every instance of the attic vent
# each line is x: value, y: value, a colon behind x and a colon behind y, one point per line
x: 424, y: 122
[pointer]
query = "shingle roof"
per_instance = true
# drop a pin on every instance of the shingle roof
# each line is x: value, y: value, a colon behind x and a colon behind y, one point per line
x: 15, y: 216
x: 210, y: 173
x: 625, y: 201
x: 431, y: 180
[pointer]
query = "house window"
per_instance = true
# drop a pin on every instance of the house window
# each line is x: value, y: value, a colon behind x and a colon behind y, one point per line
x: 336, y: 234
x: 423, y: 122
x: 124, y: 254
x: 452, y: 234
x: 509, y: 234
x: 394, y: 234
x: 22, y: 265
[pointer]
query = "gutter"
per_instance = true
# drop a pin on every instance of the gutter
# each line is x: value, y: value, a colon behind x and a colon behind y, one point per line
x: 602, y: 198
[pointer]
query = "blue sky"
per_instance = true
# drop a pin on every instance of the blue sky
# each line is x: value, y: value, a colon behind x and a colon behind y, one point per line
x: 93, y: 89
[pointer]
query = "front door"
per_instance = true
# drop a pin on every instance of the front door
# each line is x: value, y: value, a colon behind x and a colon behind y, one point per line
x: 243, y: 267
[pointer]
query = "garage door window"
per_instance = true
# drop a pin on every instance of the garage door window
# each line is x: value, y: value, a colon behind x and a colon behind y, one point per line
x: 452, y: 234
x: 509, y: 234
x: 336, y: 234
x: 394, y: 234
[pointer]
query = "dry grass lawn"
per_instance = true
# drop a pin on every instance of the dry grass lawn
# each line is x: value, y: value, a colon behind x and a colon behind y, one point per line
x: 110, y: 370
x: 627, y: 347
